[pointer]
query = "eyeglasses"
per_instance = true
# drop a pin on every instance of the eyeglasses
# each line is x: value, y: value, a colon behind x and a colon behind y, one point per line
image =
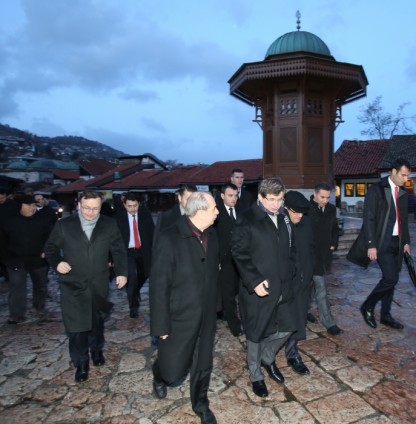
x: 90, y: 209
x: 274, y: 200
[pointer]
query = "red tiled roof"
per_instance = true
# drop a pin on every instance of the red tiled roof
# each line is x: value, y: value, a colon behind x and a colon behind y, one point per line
x: 359, y: 157
x: 220, y: 172
x: 66, y: 174
x: 96, y: 166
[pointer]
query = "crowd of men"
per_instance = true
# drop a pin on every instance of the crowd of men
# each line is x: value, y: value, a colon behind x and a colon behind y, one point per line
x: 256, y: 263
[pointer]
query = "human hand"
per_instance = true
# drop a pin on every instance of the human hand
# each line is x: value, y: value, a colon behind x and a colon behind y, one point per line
x: 262, y: 289
x: 372, y: 254
x: 121, y: 281
x: 63, y: 267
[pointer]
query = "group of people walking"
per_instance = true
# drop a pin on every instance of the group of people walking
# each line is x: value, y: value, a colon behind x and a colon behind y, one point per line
x: 259, y: 262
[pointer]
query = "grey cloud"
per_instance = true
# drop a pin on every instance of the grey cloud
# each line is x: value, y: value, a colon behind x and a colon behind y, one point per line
x: 139, y: 95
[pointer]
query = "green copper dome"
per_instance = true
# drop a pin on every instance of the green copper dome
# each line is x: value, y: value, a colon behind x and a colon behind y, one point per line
x: 298, y: 41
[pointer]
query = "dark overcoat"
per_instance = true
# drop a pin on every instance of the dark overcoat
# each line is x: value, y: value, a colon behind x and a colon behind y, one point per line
x: 325, y: 233
x: 146, y: 228
x: 305, y: 264
x: 183, y: 298
x: 377, y: 204
x: 263, y: 252
x: 85, y: 287
x: 166, y: 219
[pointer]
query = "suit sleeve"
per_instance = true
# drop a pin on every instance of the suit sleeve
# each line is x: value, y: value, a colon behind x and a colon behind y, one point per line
x: 118, y: 251
x: 370, y: 217
x: 54, y: 245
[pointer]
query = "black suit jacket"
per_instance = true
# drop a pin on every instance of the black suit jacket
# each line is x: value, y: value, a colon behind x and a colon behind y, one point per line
x: 166, y: 219
x: 224, y: 226
x: 146, y: 229
x: 244, y: 201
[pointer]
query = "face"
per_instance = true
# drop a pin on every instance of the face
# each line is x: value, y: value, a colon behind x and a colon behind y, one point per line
x: 90, y: 208
x: 40, y: 200
x: 295, y: 217
x: 401, y: 176
x: 272, y: 202
x: 321, y: 197
x: 3, y: 198
x: 132, y: 206
x: 230, y: 197
x: 237, y: 178
x: 184, y: 198
x: 208, y: 216
x: 28, y: 210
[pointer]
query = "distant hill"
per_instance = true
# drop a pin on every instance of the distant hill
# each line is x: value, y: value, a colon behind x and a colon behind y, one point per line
x: 16, y: 142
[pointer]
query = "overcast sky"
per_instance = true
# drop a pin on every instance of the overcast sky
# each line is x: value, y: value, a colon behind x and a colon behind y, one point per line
x: 150, y: 76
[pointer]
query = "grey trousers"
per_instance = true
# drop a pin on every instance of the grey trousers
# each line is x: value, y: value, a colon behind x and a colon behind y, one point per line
x: 264, y: 353
x: 322, y: 302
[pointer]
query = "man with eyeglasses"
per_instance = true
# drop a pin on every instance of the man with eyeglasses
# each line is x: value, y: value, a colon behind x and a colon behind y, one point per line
x: 263, y: 252
x: 79, y: 248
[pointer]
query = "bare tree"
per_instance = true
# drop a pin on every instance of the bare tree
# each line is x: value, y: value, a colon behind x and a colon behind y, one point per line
x: 383, y: 124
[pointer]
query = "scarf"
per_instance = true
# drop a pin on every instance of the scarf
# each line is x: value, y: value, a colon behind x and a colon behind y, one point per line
x: 86, y: 225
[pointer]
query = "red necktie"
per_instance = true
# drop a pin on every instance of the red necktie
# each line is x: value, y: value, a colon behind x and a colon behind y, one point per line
x: 137, y: 244
x: 396, y: 196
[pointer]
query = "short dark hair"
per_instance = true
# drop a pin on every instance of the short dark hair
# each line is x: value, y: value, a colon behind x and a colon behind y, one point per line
x: 322, y: 186
x: 132, y: 197
x: 237, y: 170
x: 191, y: 188
x: 228, y: 185
x: 90, y: 194
x: 399, y: 162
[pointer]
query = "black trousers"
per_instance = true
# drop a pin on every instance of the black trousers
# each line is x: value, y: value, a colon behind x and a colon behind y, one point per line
x: 136, y: 276
x: 199, y: 382
x: 81, y: 343
x: 388, y: 261
x: 228, y: 282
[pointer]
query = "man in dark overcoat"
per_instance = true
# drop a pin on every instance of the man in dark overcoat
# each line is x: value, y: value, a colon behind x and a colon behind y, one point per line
x: 136, y: 218
x: 297, y: 207
x: 245, y: 199
x: 79, y: 249
x: 183, y: 301
x: 323, y: 215
x: 228, y: 279
x: 384, y: 238
x: 262, y: 249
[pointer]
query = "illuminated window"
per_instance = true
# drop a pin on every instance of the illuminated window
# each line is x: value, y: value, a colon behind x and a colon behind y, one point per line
x: 349, y: 190
x: 360, y: 189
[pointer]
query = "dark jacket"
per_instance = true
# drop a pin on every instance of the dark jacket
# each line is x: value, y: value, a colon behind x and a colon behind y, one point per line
x: 183, y: 298
x: 378, y: 202
x: 224, y: 226
x: 85, y: 287
x: 245, y: 200
x: 146, y: 228
x: 262, y: 252
x: 325, y: 234
x: 22, y: 241
x: 166, y: 219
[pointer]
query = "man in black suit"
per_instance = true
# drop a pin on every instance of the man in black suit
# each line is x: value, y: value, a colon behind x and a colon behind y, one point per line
x: 263, y: 251
x: 44, y: 209
x: 228, y: 279
x: 136, y: 227
x: 78, y: 249
x: 182, y: 302
x: 170, y: 216
x: 245, y: 199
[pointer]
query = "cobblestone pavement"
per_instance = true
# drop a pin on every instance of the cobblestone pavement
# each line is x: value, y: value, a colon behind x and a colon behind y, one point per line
x: 362, y: 376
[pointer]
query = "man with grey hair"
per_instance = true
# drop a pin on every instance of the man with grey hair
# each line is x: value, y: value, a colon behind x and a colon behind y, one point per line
x: 183, y: 297
x: 262, y: 249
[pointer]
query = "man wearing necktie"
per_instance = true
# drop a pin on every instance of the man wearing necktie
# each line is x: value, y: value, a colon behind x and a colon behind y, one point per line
x: 244, y: 198
x: 136, y: 226
x: 384, y: 238
x: 228, y: 279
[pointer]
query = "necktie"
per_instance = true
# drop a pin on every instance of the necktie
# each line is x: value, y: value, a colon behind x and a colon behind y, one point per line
x: 137, y: 244
x: 396, y: 196
x: 232, y: 215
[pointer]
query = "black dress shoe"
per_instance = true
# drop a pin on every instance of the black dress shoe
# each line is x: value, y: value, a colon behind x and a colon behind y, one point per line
x: 81, y: 374
x: 311, y: 317
x: 391, y: 322
x: 260, y: 388
x: 368, y: 315
x: 159, y: 389
x: 134, y: 313
x: 237, y: 332
x: 221, y: 316
x: 334, y: 330
x: 97, y: 358
x: 298, y: 366
x: 274, y: 372
x: 207, y: 416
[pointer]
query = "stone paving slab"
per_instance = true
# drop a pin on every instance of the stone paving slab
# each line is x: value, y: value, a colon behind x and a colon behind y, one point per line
x: 363, y: 376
